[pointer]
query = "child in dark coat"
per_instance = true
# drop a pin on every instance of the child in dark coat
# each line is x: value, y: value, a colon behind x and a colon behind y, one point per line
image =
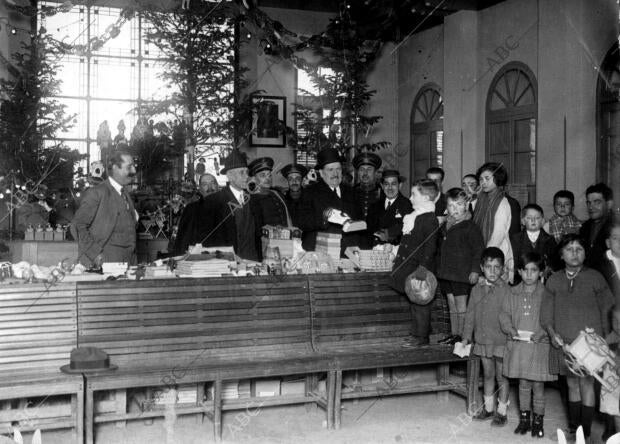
x: 458, y: 265
x: 418, y: 246
x: 532, y: 238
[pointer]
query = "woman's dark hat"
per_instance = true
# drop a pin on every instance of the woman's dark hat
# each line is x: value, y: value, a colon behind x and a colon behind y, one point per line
x: 328, y: 155
x: 260, y: 164
x: 294, y: 168
x: 367, y: 159
x: 236, y: 159
x: 392, y: 173
x: 88, y: 359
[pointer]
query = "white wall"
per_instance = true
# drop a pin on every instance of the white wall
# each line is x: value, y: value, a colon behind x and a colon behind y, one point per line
x: 561, y: 41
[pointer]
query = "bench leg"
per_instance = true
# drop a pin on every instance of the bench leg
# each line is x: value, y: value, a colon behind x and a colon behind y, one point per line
x: 120, y: 406
x: 338, y: 400
x: 311, y: 386
x: 331, y: 394
x: 217, y: 410
x: 443, y: 373
x: 200, y: 394
x: 89, y: 416
x: 473, y: 392
x: 77, y: 409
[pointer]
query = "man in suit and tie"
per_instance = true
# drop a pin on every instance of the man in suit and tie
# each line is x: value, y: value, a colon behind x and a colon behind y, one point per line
x: 233, y: 222
x: 325, y: 196
x: 105, y: 222
x: 385, y: 217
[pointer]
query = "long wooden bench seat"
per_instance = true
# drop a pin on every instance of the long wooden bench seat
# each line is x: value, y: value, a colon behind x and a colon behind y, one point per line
x: 185, y: 331
x: 363, y: 323
x: 38, y: 329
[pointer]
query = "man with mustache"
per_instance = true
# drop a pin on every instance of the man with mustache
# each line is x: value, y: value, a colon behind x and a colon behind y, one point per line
x: 294, y: 175
x: 105, y: 222
x: 232, y: 219
x: 325, y: 196
x: 367, y: 191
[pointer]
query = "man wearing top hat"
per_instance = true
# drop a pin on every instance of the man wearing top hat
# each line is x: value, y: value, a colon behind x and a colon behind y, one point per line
x: 294, y: 175
x: 367, y: 191
x: 328, y: 193
x: 233, y: 221
x: 385, y: 217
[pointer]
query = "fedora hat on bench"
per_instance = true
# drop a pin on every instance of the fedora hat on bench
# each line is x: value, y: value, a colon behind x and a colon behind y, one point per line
x: 88, y: 359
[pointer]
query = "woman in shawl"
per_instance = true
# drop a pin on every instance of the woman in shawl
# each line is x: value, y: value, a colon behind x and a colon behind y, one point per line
x: 492, y: 211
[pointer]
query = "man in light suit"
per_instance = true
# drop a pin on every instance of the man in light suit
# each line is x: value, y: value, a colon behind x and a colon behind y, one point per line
x: 105, y: 223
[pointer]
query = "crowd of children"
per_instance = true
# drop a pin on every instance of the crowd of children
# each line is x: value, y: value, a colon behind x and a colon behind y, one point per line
x: 517, y: 325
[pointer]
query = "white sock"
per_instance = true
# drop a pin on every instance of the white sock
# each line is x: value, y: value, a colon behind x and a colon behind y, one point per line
x: 502, y: 407
x: 488, y: 403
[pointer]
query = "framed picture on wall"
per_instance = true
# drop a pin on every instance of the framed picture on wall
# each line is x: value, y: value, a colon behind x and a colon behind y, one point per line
x: 268, y: 121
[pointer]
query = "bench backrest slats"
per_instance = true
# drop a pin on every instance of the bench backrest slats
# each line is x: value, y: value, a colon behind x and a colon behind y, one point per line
x: 357, y: 310
x: 38, y: 327
x: 213, y: 319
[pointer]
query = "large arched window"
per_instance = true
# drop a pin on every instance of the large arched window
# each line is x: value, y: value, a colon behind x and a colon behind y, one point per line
x: 608, y: 119
x: 511, y: 115
x: 426, y: 131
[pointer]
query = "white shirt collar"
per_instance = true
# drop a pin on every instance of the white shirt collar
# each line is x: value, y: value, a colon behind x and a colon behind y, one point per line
x: 388, y: 202
x: 533, y: 236
x: 238, y: 194
x: 614, y: 260
x: 117, y: 186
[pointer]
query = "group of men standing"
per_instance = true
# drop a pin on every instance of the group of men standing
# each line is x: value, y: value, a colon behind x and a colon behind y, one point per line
x: 236, y: 214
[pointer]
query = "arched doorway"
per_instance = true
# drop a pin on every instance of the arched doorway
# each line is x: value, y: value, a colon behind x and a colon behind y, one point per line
x: 426, y: 131
x: 608, y: 122
x: 511, y: 115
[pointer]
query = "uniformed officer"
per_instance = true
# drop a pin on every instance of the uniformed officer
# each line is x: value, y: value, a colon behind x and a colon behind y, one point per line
x: 268, y: 206
x: 294, y: 175
x: 385, y: 217
x: 367, y: 191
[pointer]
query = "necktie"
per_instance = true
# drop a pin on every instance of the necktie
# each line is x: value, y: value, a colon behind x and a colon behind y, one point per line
x: 125, y: 197
x: 336, y: 192
x: 388, y: 205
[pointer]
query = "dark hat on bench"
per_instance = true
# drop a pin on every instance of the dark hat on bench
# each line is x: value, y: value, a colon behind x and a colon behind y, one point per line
x: 88, y: 359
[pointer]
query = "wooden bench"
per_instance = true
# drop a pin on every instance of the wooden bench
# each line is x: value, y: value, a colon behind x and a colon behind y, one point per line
x: 362, y: 323
x: 189, y: 331
x: 38, y: 329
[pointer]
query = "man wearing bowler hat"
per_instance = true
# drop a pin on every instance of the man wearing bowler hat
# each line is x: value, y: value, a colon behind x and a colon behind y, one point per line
x: 294, y: 175
x: 328, y: 193
x: 385, y: 217
x: 367, y: 192
x: 267, y: 204
x: 233, y: 221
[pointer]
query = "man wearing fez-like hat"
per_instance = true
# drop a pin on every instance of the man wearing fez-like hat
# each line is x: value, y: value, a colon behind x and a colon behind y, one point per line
x: 294, y: 175
x: 233, y: 220
x: 328, y: 193
x: 385, y: 216
x: 267, y: 204
x: 367, y: 191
